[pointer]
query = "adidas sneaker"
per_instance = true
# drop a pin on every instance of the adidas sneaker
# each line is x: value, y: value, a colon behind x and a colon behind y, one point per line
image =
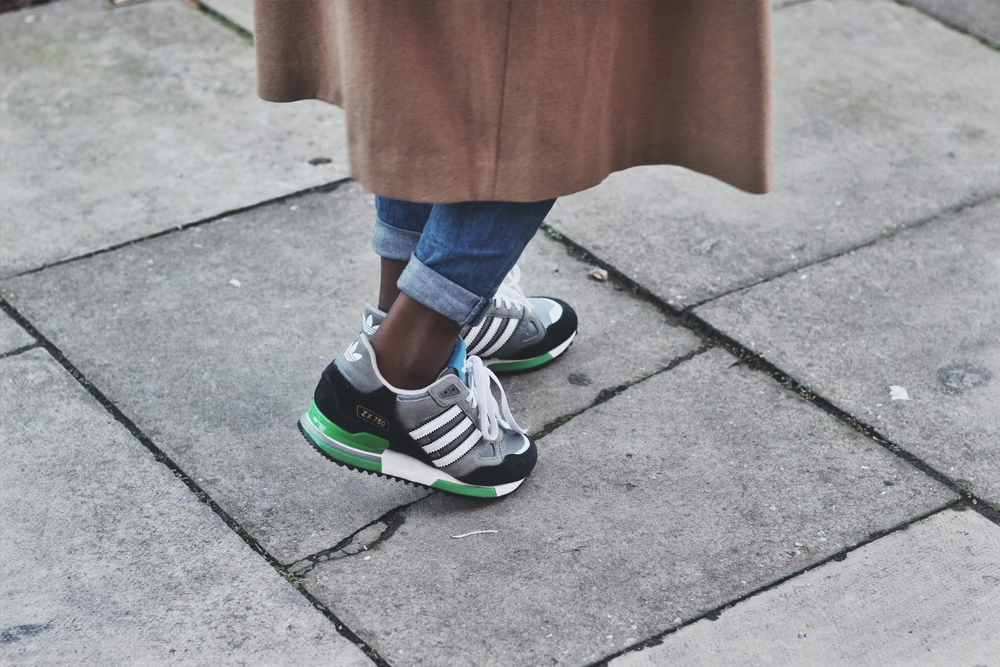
x: 452, y: 435
x: 517, y: 332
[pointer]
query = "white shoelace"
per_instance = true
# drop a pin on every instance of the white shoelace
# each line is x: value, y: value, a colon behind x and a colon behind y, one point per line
x: 510, y: 291
x: 491, y: 414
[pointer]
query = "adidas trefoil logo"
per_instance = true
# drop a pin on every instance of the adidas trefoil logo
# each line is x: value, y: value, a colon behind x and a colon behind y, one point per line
x: 369, y: 326
x: 351, y: 353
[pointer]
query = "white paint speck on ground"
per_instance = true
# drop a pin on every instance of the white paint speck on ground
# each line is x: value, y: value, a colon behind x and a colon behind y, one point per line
x: 898, y: 393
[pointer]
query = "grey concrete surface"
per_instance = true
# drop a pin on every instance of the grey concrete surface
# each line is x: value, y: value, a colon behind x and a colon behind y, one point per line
x: 108, y: 559
x: 12, y: 336
x: 688, y: 490
x: 217, y: 372
x: 928, y: 595
x: 117, y: 123
x: 240, y: 12
x: 873, y: 128
x: 979, y: 17
x: 920, y: 312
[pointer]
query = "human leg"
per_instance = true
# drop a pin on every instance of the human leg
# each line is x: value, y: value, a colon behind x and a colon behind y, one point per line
x: 516, y: 333
x: 450, y: 432
x: 398, y: 226
x: 460, y: 260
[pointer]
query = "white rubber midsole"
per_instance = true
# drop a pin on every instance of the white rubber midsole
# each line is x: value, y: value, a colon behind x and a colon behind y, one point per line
x: 407, y: 467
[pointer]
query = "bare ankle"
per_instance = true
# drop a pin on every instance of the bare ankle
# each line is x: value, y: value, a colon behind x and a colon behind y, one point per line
x: 413, y: 344
x: 387, y: 291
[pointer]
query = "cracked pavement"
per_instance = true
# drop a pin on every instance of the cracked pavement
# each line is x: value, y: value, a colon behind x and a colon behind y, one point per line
x: 774, y: 442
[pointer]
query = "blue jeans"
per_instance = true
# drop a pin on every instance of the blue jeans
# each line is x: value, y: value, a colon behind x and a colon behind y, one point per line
x: 458, y: 254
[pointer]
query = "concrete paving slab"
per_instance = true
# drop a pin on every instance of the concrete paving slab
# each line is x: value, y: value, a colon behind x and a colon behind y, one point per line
x: 903, y: 335
x: 12, y: 336
x: 978, y: 17
x: 212, y: 340
x: 117, y: 123
x: 927, y: 595
x: 688, y: 490
x: 881, y: 118
x: 108, y: 559
x: 240, y: 12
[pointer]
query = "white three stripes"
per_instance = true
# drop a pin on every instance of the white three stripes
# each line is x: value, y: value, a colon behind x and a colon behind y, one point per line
x: 461, y: 450
x: 504, y: 337
x: 490, y: 333
x: 436, y: 423
x: 448, y: 437
x: 471, y: 336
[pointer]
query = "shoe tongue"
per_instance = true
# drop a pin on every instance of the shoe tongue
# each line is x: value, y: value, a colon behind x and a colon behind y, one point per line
x: 456, y: 365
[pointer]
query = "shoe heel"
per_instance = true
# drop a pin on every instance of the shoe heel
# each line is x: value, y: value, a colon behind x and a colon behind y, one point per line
x: 362, y: 450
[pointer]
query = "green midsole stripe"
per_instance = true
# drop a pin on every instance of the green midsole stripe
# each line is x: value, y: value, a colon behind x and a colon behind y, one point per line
x: 366, y: 442
x: 477, y: 491
x: 521, y: 365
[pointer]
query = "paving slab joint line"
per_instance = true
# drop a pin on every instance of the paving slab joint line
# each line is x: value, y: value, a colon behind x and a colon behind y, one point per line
x: 712, y: 337
x: 19, y: 350
x: 216, y: 16
x: 608, y: 393
x: 618, y: 279
x: 961, y: 207
x: 716, y: 612
x: 161, y: 457
x: 985, y: 41
x: 322, y: 188
x: 392, y: 520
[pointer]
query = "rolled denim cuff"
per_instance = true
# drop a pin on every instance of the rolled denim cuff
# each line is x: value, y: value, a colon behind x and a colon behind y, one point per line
x: 392, y: 242
x: 430, y: 288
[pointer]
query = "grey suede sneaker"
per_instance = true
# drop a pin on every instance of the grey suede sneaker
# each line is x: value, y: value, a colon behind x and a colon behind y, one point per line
x: 517, y: 333
x: 453, y: 435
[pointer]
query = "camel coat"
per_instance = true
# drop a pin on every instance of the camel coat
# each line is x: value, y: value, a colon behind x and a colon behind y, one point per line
x: 524, y: 100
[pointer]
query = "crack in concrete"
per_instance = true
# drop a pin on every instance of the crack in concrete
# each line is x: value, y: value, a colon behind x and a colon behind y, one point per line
x: 367, y: 538
x: 19, y: 350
